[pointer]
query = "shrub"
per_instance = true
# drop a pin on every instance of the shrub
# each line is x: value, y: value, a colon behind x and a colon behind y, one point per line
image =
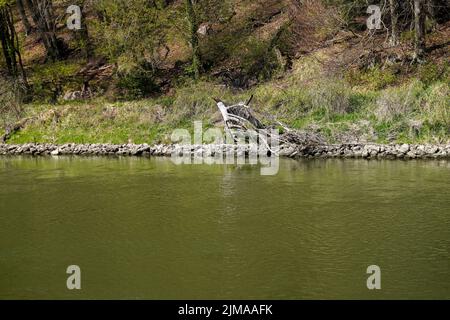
x: 11, y: 96
x: 136, y: 84
x: 374, y: 78
x: 432, y: 72
x: 333, y: 96
x: 49, y: 79
x: 194, y: 102
x: 436, y: 108
x: 287, y: 103
x: 132, y: 30
x: 255, y: 60
x: 395, y: 103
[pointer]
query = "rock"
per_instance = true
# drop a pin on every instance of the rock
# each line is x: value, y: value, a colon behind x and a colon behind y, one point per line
x: 368, y: 151
x: 136, y: 152
x: 432, y: 150
x: 404, y: 148
x: 287, y: 151
x: 411, y: 155
x: 204, y: 29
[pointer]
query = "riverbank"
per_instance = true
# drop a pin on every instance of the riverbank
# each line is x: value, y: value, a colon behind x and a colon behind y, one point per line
x: 365, y: 151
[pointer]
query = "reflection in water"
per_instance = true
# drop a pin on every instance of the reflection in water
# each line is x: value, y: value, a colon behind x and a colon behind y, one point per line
x: 141, y: 228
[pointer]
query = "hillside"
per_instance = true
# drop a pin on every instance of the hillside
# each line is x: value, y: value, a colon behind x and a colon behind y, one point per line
x: 134, y: 73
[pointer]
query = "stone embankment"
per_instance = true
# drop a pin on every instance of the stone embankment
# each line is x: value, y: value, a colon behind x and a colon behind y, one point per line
x: 366, y: 151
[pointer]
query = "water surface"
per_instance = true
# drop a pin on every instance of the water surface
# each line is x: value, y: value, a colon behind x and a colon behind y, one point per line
x: 147, y: 228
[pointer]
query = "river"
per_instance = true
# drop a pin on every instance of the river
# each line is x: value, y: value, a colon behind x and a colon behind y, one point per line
x: 147, y: 228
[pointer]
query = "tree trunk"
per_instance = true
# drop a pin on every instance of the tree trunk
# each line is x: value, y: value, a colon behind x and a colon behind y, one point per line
x: 42, y: 14
x: 88, y: 48
x: 10, y: 44
x: 193, y: 37
x: 16, y: 47
x: 24, y: 17
x: 419, y: 26
x: 5, y: 46
x: 394, y: 19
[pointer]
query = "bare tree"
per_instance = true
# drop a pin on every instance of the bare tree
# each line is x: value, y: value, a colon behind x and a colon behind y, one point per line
x: 42, y: 14
x: 10, y: 44
x: 394, y: 21
x: 23, y: 16
x: 193, y: 36
x: 419, y: 27
x: 83, y: 34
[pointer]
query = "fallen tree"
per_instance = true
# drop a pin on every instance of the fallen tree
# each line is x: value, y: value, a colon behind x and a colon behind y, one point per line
x: 241, y: 123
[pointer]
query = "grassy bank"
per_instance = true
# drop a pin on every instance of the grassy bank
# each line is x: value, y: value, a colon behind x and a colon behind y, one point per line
x: 368, y: 107
x: 312, y: 65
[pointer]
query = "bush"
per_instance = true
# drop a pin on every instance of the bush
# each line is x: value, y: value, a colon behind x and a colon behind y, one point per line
x: 432, y: 72
x: 331, y: 96
x: 398, y: 102
x: 436, y: 108
x: 374, y: 78
x: 48, y: 80
x: 194, y: 102
x: 137, y: 84
x: 255, y: 60
x: 288, y: 103
x: 11, y: 96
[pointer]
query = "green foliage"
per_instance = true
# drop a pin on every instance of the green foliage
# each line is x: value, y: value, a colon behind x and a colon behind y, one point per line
x: 11, y: 101
x: 130, y: 33
x: 258, y: 59
x: 214, y: 10
x: 92, y: 122
x: 349, y: 10
x: 399, y: 102
x: 137, y: 84
x: 323, y: 99
x: 432, y: 72
x: 328, y: 106
x: 49, y: 80
x: 375, y: 78
x: 436, y: 109
x: 407, y: 36
x: 426, y: 109
x: 248, y: 46
x: 195, y: 101
x: 130, y: 28
x: 6, y: 2
x: 332, y: 96
x: 55, y: 71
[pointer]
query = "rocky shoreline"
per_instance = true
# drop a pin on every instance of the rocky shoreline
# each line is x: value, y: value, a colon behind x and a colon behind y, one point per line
x: 364, y: 151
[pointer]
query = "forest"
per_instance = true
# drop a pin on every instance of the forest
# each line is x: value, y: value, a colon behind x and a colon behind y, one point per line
x: 130, y: 71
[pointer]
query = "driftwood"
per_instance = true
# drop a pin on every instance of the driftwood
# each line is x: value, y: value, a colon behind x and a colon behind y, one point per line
x: 240, y: 122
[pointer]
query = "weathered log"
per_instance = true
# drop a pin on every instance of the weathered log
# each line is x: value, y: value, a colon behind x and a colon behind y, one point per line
x: 240, y: 121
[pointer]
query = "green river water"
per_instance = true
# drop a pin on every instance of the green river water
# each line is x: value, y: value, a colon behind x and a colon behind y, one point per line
x: 150, y: 229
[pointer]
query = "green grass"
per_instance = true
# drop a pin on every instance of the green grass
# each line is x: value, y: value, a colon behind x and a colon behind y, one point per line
x: 378, y: 110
